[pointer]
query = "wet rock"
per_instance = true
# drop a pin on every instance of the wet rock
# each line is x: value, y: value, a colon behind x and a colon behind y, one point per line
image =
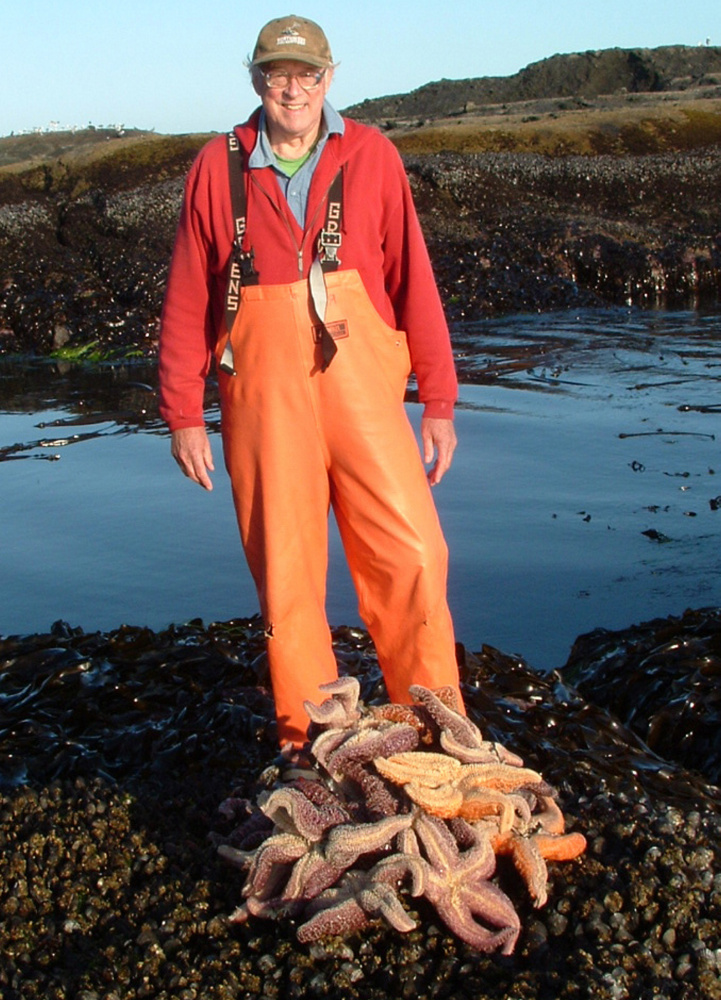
x: 661, y: 680
x: 131, y: 739
x: 507, y: 233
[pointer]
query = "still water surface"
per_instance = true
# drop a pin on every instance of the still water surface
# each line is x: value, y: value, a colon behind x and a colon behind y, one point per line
x: 586, y: 490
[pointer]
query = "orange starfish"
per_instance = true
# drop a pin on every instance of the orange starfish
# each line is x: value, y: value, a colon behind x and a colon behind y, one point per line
x: 530, y: 853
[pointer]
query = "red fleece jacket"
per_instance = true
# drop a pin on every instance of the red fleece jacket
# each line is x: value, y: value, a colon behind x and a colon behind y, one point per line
x: 382, y: 240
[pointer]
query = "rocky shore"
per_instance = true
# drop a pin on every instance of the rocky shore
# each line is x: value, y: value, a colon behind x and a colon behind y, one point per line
x: 84, y: 247
x: 117, y: 749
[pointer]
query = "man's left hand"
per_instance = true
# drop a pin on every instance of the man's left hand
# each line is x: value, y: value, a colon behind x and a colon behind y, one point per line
x: 439, y: 440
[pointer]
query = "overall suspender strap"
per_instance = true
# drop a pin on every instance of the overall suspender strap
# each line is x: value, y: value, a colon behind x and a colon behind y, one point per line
x: 329, y: 242
x: 331, y: 237
x: 240, y: 266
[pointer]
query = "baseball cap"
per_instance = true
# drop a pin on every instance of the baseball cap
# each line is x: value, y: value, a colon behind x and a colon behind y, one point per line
x: 292, y: 37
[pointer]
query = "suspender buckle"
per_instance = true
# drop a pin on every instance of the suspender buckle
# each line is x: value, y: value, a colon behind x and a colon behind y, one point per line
x: 246, y: 262
x: 328, y: 245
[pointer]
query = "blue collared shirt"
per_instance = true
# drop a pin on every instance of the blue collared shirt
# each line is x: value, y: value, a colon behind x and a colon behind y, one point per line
x: 295, y: 188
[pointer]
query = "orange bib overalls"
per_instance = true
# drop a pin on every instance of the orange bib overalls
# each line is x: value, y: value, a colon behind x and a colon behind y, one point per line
x: 297, y: 439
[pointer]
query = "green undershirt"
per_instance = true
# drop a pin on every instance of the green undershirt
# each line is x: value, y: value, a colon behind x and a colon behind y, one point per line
x: 290, y: 167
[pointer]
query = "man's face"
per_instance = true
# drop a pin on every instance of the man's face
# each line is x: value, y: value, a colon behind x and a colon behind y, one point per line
x: 292, y: 112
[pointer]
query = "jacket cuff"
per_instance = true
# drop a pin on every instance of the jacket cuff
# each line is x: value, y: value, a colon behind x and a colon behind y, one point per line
x: 178, y: 423
x: 439, y: 408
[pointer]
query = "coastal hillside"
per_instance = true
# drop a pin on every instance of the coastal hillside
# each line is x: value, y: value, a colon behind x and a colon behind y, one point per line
x: 670, y: 68
x: 574, y: 186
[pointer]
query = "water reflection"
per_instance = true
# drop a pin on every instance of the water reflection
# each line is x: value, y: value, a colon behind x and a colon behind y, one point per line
x: 584, y: 493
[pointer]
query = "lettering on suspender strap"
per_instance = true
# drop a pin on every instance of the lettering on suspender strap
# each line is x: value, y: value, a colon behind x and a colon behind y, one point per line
x: 330, y: 236
x: 328, y: 244
x: 241, y: 270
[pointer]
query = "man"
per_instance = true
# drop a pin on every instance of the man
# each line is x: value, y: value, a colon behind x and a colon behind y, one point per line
x: 303, y: 312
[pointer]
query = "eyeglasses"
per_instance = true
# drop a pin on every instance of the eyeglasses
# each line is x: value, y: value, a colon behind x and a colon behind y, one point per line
x: 276, y: 79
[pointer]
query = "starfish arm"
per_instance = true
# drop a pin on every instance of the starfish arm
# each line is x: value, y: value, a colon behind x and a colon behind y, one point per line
x: 550, y: 818
x: 529, y: 863
x: 359, y: 748
x: 340, y: 709
x: 447, y: 862
x: 480, y: 802
x: 438, y: 844
x: 276, y: 852
x: 346, y: 690
x: 444, y: 801
x: 241, y: 859
x: 408, y: 714
x: 507, y: 756
x: 463, y: 832
x: 479, y: 861
x: 459, y: 726
x: 392, y: 870
x: 344, y: 844
x: 310, y: 876
x: 272, y: 907
x: 485, y: 900
x: 336, y: 919
x: 331, y: 714
x: 407, y: 842
x: 485, y: 753
x: 378, y: 799
x: 326, y: 742
x: 293, y: 812
x: 381, y: 899
x: 399, y: 738
x: 560, y: 847
x: 502, y: 778
x: 430, y: 769
x: 250, y: 833
x: 239, y: 915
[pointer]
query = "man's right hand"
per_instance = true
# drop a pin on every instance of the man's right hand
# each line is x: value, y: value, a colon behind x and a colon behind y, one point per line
x: 190, y: 447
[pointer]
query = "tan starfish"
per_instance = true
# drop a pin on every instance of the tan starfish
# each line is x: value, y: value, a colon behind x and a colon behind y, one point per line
x: 444, y: 787
x: 429, y: 769
x: 500, y: 778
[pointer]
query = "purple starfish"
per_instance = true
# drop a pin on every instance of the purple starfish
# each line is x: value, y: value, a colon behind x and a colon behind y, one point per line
x: 458, y: 884
x: 293, y: 812
x: 340, y: 710
x: 362, y: 895
x: 459, y: 736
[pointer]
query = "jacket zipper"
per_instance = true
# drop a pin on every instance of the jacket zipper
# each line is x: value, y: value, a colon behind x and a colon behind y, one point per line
x: 308, y: 228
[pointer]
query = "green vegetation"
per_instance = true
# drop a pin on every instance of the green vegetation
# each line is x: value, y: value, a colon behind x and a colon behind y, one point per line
x: 82, y: 352
x: 90, y: 162
x: 624, y: 130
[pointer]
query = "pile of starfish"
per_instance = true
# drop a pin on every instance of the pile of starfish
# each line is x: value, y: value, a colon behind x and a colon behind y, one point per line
x: 394, y: 800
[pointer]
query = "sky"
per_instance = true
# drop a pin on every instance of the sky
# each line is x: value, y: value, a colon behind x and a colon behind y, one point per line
x: 177, y: 66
